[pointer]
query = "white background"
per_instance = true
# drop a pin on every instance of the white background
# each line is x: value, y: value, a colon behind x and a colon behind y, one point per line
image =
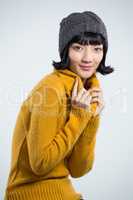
x: 28, y: 44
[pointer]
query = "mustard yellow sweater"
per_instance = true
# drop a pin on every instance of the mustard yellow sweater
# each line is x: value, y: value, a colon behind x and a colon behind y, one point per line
x: 52, y: 140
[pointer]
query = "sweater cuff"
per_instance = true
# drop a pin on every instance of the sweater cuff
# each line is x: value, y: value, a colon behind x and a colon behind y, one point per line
x: 83, y: 113
x: 91, y: 129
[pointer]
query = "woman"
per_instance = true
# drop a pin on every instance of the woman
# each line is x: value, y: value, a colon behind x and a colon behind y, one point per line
x: 55, y: 132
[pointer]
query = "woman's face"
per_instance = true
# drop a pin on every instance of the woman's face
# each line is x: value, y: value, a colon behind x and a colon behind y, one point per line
x: 85, y: 59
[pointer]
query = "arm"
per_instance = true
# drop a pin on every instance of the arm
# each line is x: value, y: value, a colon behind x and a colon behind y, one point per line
x: 47, y: 145
x: 82, y: 157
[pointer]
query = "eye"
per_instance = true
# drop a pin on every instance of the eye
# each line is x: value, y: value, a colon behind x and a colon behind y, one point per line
x: 98, y: 49
x: 76, y: 47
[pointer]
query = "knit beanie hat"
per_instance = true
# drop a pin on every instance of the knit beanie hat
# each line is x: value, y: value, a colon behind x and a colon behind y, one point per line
x: 77, y: 23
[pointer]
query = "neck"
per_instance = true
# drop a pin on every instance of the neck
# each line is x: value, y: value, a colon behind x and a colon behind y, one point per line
x: 84, y: 81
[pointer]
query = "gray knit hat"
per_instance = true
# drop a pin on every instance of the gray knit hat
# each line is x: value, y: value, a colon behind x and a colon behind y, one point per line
x: 78, y: 22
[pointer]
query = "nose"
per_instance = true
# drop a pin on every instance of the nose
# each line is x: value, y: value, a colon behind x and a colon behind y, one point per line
x: 87, y: 56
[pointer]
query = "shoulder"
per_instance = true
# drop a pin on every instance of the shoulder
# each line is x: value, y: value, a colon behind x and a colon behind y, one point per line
x: 50, y: 85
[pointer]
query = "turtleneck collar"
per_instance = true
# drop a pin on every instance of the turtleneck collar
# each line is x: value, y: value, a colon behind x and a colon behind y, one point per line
x: 69, y: 77
x: 67, y: 72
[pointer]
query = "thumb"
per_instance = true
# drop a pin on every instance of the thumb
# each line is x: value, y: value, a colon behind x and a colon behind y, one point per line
x: 75, y: 89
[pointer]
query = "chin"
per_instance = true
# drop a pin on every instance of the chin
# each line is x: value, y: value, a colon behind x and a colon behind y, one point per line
x: 86, y: 75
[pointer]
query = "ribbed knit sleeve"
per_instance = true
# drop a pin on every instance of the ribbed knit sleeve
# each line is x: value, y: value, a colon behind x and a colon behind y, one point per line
x: 48, y: 145
x: 82, y: 157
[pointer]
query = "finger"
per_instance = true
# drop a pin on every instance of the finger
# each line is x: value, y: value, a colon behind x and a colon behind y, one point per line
x: 95, y: 94
x: 75, y: 89
x: 81, y: 92
x: 96, y: 100
x: 87, y: 100
x: 96, y: 90
x: 86, y: 95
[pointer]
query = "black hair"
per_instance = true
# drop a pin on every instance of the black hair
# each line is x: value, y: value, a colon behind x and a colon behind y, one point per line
x: 85, y: 39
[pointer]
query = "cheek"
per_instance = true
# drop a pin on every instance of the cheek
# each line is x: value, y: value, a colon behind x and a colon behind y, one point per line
x: 74, y: 57
x: 98, y: 59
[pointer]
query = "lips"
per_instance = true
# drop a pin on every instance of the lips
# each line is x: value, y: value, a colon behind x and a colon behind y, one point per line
x: 84, y: 67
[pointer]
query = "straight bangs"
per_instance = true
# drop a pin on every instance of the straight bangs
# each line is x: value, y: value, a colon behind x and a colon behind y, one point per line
x: 87, y: 38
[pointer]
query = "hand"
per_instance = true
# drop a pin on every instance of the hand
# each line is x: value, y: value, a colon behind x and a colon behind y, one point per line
x: 97, y: 96
x: 81, y: 99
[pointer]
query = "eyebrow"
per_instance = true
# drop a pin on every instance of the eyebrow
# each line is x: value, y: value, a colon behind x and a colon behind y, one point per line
x: 101, y: 45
